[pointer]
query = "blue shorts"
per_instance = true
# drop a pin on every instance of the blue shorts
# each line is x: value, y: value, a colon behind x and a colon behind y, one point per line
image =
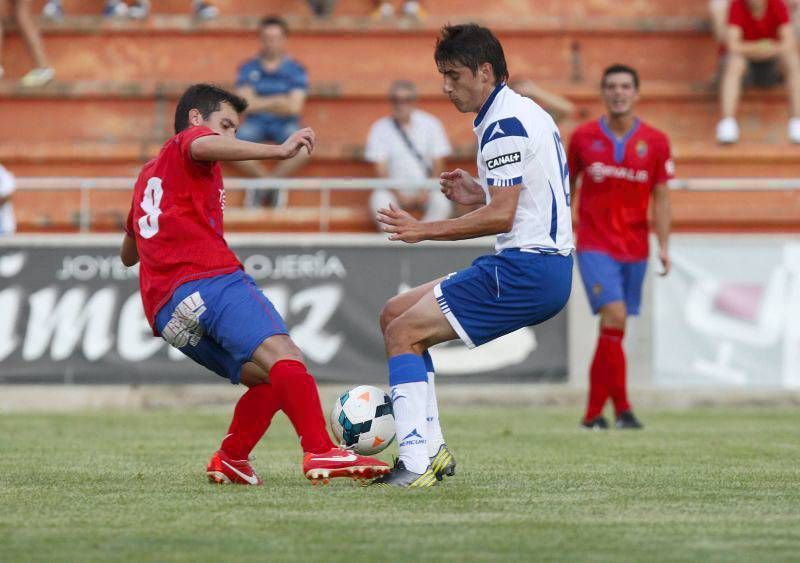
x: 503, y: 292
x: 607, y: 280
x: 219, y: 322
x: 258, y: 128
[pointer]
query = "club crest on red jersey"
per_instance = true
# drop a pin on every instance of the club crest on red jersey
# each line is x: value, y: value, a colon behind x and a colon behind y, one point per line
x: 641, y: 148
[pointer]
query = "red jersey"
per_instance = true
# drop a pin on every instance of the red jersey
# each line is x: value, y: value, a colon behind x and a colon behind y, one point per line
x: 176, y: 218
x: 619, y: 176
x: 775, y: 15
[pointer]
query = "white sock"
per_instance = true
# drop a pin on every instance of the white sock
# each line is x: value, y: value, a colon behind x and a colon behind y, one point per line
x: 434, y: 429
x: 409, y: 402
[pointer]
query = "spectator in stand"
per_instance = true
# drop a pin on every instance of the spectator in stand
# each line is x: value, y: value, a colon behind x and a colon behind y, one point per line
x: 410, y: 144
x: 557, y: 106
x: 719, y: 9
x: 43, y: 72
x: 139, y: 10
x: 8, y: 225
x: 385, y: 10
x: 759, y: 35
x: 275, y: 87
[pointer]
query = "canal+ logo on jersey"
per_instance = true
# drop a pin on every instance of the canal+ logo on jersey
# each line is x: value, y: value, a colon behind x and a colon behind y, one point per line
x: 503, y: 159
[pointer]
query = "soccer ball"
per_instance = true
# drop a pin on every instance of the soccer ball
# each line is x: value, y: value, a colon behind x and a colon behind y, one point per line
x: 363, y: 419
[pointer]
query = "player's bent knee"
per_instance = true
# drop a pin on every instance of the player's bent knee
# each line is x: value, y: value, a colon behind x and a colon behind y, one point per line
x: 399, y: 337
x: 276, y: 348
x: 390, y: 311
x: 252, y: 375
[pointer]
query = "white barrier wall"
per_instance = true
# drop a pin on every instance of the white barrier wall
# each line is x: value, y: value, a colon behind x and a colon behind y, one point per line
x: 71, y: 312
x: 728, y: 317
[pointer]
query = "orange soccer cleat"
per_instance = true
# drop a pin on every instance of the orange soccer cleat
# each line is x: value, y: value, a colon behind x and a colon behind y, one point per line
x: 223, y: 470
x: 340, y: 462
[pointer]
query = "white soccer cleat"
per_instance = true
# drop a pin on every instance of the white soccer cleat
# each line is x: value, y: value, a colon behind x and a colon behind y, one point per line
x: 38, y: 77
x: 727, y: 131
x: 794, y: 130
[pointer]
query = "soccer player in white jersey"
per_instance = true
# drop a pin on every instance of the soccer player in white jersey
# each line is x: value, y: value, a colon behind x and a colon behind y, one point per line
x: 523, y: 190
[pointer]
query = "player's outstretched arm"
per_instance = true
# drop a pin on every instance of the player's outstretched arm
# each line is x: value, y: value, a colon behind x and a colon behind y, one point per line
x: 128, y: 252
x: 492, y: 219
x: 222, y: 148
x: 459, y: 186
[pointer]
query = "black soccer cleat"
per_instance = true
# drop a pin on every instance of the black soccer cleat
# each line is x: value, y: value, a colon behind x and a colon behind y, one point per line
x: 443, y: 463
x: 626, y: 421
x: 401, y: 477
x: 597, y: 423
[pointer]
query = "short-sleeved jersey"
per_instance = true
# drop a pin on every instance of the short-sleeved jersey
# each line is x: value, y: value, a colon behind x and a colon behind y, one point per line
x: 775, y: 16
x: 618, y: 178
x: 290, y: 75
x: 176, y: 219
x: 519, y: 144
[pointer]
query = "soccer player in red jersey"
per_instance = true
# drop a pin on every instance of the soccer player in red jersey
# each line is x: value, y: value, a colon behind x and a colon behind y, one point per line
x: 197, y: 297
x: 617, y: 165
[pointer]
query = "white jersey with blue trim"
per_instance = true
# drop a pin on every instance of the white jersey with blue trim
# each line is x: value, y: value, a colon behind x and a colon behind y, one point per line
x: 519, y: 143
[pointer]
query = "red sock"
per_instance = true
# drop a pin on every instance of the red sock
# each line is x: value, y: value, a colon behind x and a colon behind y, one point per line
x: 251, y: 418
x: 618, y: 386
x: 299, y: 399
x: 601, y: 373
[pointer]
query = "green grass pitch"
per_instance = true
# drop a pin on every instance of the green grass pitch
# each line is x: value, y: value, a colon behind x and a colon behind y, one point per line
x: 697, y: 485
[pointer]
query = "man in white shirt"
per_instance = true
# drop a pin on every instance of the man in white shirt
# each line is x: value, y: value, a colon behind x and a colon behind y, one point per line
x: 522, y: 197
x: 410, y: 145
x: 8, y: 224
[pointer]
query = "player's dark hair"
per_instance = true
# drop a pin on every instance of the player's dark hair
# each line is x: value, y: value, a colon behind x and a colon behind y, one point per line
x: 471, y: 45
x: 206, y: 98
x: 274, y: 20
x: 617, y: 69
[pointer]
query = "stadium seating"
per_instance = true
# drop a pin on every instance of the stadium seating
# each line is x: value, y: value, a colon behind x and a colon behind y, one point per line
x: 117, y: 83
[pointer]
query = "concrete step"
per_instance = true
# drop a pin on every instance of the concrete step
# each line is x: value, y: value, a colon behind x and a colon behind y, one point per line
x: 109, y: 112
x: 693, y: 159
x: 454, y: 9
x: 755, y: 211
x: 175, y: 48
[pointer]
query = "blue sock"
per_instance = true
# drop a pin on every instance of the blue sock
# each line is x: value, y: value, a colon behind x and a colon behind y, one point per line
x: 407, y: 368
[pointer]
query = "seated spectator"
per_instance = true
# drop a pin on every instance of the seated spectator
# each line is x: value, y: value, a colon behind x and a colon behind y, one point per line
x: 139, y: 10
x: 557, y: 106
x: 43, y: 72
x: 275, y: 87
x: 410, y: 144
x: 385, y: 10
x: 8, y: 224
x: 759, y: 35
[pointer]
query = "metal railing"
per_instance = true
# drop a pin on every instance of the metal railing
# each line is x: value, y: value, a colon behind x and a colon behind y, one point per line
x: 326, y: 185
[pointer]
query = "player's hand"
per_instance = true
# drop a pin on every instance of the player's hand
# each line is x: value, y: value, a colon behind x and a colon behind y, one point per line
x: 666, y: 263
x: 459, y: 186
x: 303, y: 138
x: 400, y: 225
